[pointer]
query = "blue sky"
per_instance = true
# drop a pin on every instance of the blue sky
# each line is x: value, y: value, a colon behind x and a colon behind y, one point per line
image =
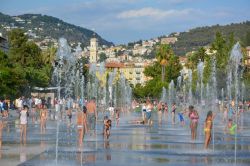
x: 122, y: 21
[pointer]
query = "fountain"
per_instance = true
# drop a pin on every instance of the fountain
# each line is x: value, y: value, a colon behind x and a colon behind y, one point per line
x: 200, y: 68
x: 214, y: 93
x: 190, y: 94
x: 64, y: 75
x: 235, y: 72
x: 171, y: 94
x: 164, y: 95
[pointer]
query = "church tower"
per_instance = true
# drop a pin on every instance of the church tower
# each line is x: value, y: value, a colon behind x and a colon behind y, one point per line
x: 93, y: 49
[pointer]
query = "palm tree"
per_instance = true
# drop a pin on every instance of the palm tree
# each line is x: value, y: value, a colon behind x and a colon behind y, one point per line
x: 48, y: 55
x: 163, y: 53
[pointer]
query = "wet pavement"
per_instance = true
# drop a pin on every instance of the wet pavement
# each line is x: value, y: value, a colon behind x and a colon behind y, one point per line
x: 129, y: 144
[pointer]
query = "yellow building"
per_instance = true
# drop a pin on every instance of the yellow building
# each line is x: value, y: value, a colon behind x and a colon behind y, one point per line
x: 93, y: 50
x: 133, y: 72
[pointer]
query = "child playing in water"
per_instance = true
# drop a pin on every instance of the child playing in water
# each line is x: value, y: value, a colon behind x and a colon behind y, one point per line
x: 107, y: 126
x: 181, y: 116
x: 230, y: 127
x: 207, y: 128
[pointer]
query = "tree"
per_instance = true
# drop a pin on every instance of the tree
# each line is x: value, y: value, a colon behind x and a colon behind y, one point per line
x: 162, y: 54
x: 102, y: 57
x: 222, y: 47
x: 153, y: 87
x: 173, y: 68
x: 247, y: 39
x: 195, y: 57
x: 27, y: 64
x: 11, y: 79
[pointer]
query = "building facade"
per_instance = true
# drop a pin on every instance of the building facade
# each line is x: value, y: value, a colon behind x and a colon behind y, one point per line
x: 93, y: 58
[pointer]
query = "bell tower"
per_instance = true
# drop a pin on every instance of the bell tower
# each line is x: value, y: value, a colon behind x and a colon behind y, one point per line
x: 93, y: 49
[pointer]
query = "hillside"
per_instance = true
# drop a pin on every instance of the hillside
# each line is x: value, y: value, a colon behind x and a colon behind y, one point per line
x: 203, y: 36
x: 42, y: 27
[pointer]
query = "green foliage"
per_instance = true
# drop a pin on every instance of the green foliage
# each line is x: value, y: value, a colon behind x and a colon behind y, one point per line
x: 153, y: 71
x: 163, y: 53
x: 47, y: 26
x: 102, y: 57
x: 247, y: 39
x: 25, y: 66
x: 153, y: 87
x: 204, y: 36
x: 173, y: 68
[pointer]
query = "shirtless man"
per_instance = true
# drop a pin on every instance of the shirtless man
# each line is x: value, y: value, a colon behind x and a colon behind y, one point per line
x: 92, y: 114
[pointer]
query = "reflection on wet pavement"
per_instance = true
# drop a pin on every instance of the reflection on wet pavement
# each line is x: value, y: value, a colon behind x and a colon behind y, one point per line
x: 129, y: 144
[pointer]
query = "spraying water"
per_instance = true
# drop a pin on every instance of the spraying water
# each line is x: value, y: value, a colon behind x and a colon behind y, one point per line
x: 234, y: 72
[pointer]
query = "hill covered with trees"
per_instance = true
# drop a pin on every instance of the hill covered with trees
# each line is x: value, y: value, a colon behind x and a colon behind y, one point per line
x: 42, y: 27
x: 203, y: 36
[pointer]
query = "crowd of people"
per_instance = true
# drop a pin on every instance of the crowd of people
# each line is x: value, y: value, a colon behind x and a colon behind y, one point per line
x: 39, y: 110
x: 228, y: 110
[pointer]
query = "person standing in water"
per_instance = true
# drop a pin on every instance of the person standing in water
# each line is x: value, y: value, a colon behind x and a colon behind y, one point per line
x: 194, y: 117
x: 23, y: 124
x: 230, y: 127
x: 173, y: 113
x: 149, y: 108
x: 43, y: 118
x: 92, y: 114
x: 160, y: 108
x: 208, y: 128
x: 117, y: 116
x: 144, y: 110
x: 81, y: 124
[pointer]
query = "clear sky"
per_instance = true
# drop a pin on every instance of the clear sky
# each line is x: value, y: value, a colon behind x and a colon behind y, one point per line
x: 122, y: 21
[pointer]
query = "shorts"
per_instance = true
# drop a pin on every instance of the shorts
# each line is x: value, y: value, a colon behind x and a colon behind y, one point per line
x: 181, y: 117
x: 91, y: 120
x: 148, y: 115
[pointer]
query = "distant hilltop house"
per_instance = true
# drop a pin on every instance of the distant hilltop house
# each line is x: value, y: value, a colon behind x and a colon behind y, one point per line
x: 168, y: 40
x: 3, y: 44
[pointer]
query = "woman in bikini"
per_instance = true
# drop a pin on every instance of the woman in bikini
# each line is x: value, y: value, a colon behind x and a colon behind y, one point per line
x: 194, y: 117
x: 208, y: 128
x: 43, y: 118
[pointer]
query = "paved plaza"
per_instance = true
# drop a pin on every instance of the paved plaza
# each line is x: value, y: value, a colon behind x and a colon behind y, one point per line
x: 129, y: 144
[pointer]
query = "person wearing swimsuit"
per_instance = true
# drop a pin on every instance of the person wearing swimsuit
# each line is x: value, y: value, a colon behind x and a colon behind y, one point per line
x: 81, y: 124
x: 23, y: 124
x: 194, y: 117
x: 43, y: 118
x: 207, y: 129
x: 173, y: 113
